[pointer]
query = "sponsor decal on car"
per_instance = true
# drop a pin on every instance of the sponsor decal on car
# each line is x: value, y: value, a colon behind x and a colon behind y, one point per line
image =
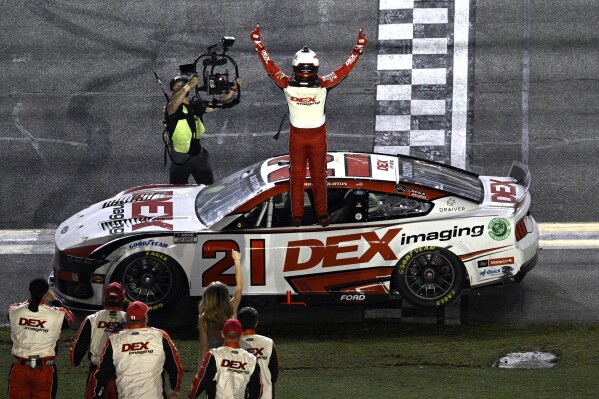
x: 127, y: 200
x: 185, y: 238
x: 451, y: 208
x: 148, y: 243
x: 352, y: 298
x: 502, y: 191
x: 415, y: 193
x: 491, y: 272
x: 499, y: 229
x: 501, y: 261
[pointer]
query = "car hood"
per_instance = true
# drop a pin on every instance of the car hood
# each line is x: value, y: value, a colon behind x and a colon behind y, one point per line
x: 141, y: 210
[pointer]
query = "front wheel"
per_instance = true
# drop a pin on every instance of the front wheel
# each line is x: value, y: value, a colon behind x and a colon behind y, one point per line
x: 429, y: 277
x: 150, y: 277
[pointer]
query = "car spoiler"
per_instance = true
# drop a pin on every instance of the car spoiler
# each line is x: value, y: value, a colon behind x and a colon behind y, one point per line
x: 521, y: 174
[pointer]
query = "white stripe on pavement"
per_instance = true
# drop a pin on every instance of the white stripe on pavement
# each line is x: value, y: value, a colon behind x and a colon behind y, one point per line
x: 552, y: 236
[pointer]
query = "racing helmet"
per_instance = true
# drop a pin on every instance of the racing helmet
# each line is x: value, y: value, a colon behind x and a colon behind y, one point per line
x: 305, y: 64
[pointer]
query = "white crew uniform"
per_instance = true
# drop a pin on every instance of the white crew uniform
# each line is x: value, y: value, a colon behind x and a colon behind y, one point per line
x: 36, y: 333
x: 137, y: 356
x: 228, y: 372
x: 34, y: 336
x: 264, y: 349
x: 93, y: 334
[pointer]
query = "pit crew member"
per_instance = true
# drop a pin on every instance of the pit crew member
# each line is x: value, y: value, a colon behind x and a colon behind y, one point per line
x: 137, y: 356
x: 93, y: 334
x: 228, y: 372
x: 35, y: 327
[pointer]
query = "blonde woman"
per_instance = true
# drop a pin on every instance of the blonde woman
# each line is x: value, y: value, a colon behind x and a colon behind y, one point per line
x: 216, y: 307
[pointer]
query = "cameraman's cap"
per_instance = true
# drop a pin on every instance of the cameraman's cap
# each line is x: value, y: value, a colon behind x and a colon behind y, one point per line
x: 137, y: 311
x: 114, y: 293
x: 232, y: 328
x: 176, y: 79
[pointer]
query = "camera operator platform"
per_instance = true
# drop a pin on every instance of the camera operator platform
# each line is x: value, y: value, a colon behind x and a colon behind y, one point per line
x: 183, y: 117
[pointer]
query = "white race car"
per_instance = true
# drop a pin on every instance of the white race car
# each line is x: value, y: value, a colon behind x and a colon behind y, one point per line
x: 400, y: 227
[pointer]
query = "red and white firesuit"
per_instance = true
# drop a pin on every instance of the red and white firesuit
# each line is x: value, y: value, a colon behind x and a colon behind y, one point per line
x: 91, y: 338
x: 307, y: 134
x: 34, y: 336
x: 137, y: 356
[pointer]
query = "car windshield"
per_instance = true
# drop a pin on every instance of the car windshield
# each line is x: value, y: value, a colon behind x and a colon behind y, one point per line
x: 442, y: 177
x: 218, y: 200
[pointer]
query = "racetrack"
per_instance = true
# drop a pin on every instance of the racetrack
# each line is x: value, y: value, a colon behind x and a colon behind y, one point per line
x: 80, y: 111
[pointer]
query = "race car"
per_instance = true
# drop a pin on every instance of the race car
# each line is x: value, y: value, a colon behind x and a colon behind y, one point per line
x: 399, y: 227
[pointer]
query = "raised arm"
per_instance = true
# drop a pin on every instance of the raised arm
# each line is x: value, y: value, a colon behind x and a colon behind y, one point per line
x: 335, y: 77
x: 238, y: 283
x: 271, y: 68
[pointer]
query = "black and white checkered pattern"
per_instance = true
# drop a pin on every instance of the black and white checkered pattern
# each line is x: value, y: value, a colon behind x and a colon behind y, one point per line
x: 416, y: 72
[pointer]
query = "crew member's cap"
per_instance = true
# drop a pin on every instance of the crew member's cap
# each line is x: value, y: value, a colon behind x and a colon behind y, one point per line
x: 114, y: 293
x: 176, y: 79
x: 136, y: 312
x: 232, y: 328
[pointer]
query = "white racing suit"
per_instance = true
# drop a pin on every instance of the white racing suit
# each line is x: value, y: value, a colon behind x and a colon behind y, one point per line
x: 137, y: 356
x: 90, y: 339
x: 264, y: 349
x: 228, y: 372
x: 34, y: 336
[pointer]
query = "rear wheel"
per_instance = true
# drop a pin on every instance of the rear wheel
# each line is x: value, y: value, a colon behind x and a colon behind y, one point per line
x: 429, y: 277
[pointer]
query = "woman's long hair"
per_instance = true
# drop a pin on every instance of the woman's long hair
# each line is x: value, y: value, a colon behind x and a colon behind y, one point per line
x: 215, y: 307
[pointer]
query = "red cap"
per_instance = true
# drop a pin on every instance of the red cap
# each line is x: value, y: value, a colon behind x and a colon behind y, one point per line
x: 114, y: 293
x: 136, y: 312
x: 232, y: 328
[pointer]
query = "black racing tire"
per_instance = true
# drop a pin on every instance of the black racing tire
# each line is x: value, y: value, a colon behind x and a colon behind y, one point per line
x: 429, y: 277
x: 153, y: 278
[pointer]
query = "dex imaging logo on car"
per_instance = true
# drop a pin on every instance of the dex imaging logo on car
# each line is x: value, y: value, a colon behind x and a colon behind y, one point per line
x: 331, y: 253
x: 159, y: 210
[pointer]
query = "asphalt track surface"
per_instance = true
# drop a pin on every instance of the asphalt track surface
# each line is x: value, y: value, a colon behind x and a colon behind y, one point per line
x: 80, y: 111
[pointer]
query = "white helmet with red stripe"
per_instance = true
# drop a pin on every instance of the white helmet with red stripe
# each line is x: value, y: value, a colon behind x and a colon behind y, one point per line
x: 305, y: 64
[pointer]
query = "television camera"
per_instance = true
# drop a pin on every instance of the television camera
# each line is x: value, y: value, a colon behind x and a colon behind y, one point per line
x: 215, y: 77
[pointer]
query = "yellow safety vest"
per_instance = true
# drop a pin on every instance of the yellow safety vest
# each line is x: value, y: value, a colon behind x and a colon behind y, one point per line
x: 183, y: 134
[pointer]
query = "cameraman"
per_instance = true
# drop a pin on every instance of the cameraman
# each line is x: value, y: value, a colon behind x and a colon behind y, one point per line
x: 185, y: 126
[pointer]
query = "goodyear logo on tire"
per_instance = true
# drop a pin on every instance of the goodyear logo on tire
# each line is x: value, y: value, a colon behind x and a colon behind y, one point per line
x: 499, y: 229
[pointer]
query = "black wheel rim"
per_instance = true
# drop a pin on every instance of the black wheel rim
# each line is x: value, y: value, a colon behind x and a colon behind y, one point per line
x: 430, y: 276
x: 147, y: 279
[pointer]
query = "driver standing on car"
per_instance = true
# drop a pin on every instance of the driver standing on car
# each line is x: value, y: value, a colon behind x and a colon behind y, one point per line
x: 35, y: 327
x: 306, y: 94
x: 185, y: 127
x: 94, y: 332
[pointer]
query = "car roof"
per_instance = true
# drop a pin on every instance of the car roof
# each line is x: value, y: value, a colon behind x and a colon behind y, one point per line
x: 387, y: 168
